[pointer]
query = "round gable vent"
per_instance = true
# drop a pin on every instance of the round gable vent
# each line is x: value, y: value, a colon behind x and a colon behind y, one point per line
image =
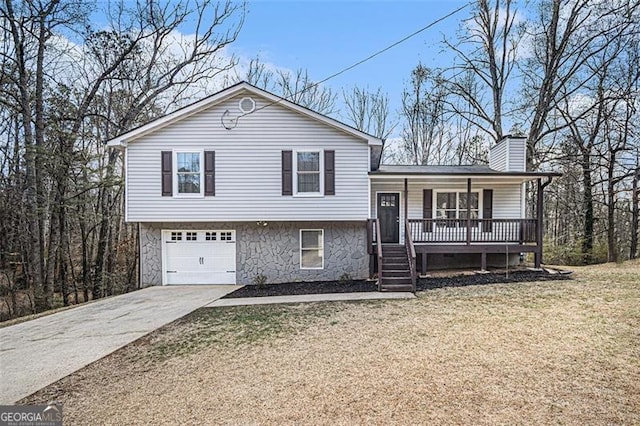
x: 247, y: 105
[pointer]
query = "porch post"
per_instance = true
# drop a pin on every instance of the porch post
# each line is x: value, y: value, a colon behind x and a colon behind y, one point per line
x: 539, y: 233
x: 469, y: 211
x: 406, y: 199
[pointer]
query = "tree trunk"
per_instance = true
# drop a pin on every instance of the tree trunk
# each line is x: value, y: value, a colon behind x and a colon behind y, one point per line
x: 33, y: 269
x: 52, y: 252
x: 611, y: 211
x: 105, y: 224
x: 587, y: 204
x: 134, y: 271
x: 30, y: 99
x: 63, y: 251
x: 635, y: 216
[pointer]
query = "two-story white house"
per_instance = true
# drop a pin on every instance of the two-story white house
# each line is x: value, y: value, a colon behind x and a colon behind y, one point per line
x: 245, y: 184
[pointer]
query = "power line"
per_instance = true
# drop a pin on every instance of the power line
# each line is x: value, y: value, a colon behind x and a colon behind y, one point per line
x: 368, y: 58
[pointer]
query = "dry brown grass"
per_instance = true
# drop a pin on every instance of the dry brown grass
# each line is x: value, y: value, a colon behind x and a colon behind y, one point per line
x: 536, y: 353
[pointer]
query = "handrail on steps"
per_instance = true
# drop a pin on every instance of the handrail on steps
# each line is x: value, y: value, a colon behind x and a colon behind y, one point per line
x: 411, y: 253
x: 379, y: 252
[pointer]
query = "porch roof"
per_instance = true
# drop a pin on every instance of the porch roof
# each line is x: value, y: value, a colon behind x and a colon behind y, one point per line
x: 447, y: 171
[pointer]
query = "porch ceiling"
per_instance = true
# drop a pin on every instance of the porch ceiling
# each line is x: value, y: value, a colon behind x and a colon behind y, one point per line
x: 435, y: 173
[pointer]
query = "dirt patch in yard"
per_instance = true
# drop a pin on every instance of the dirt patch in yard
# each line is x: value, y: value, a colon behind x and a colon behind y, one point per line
x: 544, y: 352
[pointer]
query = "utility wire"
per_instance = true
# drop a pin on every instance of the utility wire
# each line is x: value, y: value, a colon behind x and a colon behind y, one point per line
x: 368, y: 58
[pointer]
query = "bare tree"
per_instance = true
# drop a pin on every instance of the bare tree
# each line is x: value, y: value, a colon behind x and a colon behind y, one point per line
x: 618, y: 130
x: 585, y: 118
x: 258, y: 74
x: 368, y: 111
x: 600, y: 136
x: 132, y: 69
x: 471, y: 142
x: 423, y: 111
x: 635, y: 210
x: 486, y: 51
x: 295, y: 86
x: 565, y: 35
x: 30, y: 26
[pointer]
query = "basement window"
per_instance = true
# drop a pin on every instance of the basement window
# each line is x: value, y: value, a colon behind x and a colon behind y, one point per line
x: 311, y: 249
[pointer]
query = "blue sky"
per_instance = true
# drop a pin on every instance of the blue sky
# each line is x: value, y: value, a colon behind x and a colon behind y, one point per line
x: 327, y: 36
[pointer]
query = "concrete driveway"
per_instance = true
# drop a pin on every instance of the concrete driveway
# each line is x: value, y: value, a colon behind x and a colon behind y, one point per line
x: 36, y: 353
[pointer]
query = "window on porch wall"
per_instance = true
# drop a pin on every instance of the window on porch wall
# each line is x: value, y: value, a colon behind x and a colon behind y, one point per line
x: 474, y: 201
x: 453, y: 205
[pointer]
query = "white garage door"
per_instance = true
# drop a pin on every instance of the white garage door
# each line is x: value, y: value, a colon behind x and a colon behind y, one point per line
x: 199, y: 257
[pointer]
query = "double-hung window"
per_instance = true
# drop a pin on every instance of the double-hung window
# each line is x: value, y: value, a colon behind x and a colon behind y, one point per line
x: 189, y: 177
x: 453, y: 205
x: 308, y: 168
x: 474, y: 204
x: 311, y: 249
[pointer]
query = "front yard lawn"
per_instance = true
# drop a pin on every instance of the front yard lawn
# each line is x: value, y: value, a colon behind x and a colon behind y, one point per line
x: 563, y: 352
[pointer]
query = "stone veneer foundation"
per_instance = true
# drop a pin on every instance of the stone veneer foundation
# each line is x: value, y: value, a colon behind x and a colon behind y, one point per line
x: 272, y: 250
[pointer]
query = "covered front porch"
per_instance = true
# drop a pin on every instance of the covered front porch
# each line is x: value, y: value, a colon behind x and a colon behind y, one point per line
x: 454, y: 210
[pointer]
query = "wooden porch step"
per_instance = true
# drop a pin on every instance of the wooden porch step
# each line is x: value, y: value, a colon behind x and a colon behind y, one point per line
x: 394, y: 267
x: 398, y: 255
x: 394, y: 255
x: 396, y: 273
x: 396, y: 287
x: 395, y: 281
x: 387, y: 260
x: 393, y: 250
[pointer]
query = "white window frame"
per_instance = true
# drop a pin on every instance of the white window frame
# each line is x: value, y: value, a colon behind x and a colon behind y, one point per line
x: 200, y: 152
x: 296, y: 193
x: 321, y: 248
x: 458, y: 192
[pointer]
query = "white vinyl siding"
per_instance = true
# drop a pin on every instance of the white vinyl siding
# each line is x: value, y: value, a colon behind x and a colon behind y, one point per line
x: 248, y: 174
x: 498, y: 156
x: 507, y: 201
x: 517, y: 155
x: 509, y: 155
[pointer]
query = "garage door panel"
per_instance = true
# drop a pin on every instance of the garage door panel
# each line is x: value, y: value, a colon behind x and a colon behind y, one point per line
x: 190, y: 248
x: 182, y: 263
x: 199, y: 260
x: 220, y: 263
x: 195, y: 277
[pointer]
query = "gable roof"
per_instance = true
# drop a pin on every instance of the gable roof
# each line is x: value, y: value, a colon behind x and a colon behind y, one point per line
x: 184, y: 112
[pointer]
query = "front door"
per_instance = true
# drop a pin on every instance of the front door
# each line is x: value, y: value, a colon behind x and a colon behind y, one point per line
x: 389, y: 217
